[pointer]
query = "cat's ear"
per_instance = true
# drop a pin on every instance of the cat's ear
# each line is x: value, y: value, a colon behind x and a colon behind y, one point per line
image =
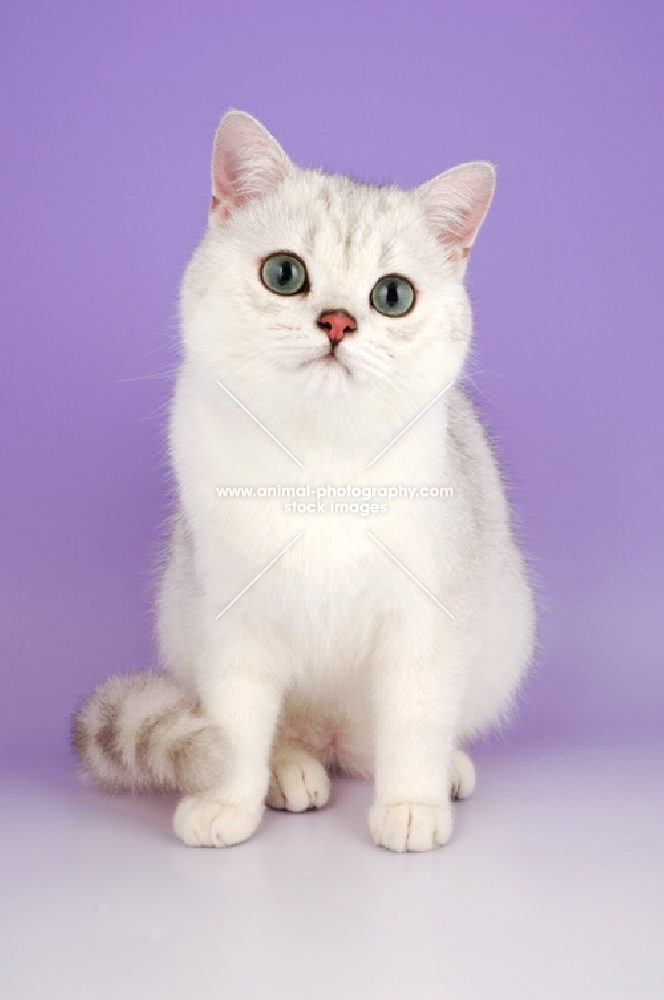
x: 455, y: 203
x: 247, y: 162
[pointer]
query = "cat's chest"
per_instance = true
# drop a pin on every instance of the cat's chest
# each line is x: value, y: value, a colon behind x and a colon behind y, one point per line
x: 322, y: 514
x: 331, y: 523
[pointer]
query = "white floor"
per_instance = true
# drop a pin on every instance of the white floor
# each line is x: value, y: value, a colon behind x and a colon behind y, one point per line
x: 551, y: 889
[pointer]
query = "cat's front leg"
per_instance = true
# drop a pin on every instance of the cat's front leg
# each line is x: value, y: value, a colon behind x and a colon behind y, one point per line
x: 417, y: 693
x: 239, y: 692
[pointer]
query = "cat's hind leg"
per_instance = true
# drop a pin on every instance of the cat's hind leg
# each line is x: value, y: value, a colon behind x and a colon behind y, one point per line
x: 462, y: 775
x: 297, y: 781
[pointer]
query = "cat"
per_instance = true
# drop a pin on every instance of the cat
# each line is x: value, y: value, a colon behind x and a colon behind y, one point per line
x: 324, y: 323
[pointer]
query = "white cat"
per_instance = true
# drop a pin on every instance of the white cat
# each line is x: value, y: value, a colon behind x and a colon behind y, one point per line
x: 319, y: 318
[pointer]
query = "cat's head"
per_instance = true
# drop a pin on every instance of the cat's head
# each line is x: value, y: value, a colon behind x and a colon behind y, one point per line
x: 324, y: 289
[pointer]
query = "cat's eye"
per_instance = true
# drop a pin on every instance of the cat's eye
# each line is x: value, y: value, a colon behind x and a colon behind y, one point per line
x: 284, y: 274
x: 393, y: 295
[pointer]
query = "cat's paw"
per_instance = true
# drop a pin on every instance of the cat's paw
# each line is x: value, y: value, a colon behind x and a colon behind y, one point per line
x: 462, y: 775
x: 405, y: 826
x: 298, y: 782
x: 205, y: 822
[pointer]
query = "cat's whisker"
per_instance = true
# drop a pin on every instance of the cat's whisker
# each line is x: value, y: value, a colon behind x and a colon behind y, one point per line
x: 145, y: 378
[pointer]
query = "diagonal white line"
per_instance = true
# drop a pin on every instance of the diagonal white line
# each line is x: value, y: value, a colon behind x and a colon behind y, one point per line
x: 408, y: 573
x: 217, y: 617
x: 414, y: 420
x: 256, y: 420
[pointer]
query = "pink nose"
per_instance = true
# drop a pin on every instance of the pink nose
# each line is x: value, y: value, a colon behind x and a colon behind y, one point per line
x: 336, y: 324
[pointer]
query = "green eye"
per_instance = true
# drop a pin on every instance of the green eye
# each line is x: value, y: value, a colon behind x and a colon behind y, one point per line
x: 393, y: 295
x: 284, y: 274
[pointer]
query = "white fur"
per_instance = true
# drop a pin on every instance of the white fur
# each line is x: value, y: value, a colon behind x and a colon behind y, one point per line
x: 335, y: 657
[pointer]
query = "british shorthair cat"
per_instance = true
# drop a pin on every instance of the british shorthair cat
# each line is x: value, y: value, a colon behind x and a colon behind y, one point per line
x: 325, y: 325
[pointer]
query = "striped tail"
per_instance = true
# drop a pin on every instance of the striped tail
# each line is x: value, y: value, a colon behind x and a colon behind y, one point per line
x: 138, y: 732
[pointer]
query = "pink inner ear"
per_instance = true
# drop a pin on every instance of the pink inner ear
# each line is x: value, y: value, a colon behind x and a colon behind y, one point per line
x: 247, y: 162
x: 216, y: 206
x: 227, y: 183
x: 456, y: 203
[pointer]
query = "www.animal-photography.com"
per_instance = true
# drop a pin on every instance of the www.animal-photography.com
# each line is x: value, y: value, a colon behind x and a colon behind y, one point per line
x: 333, y: 550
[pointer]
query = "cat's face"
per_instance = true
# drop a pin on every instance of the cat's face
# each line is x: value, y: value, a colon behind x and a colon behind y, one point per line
x: 327, y: 288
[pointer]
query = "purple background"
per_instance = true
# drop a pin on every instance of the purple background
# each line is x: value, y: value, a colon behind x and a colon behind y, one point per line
x: 108, y: 112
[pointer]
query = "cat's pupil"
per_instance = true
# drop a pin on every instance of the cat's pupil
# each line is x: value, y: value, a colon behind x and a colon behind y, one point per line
x: 286, y: 275
x: 392, y: 294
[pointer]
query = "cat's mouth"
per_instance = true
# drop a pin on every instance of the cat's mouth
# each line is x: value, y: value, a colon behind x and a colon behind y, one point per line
x: 328, y: 362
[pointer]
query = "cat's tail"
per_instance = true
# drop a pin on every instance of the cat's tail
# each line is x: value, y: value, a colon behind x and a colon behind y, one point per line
x: 140, y: 731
